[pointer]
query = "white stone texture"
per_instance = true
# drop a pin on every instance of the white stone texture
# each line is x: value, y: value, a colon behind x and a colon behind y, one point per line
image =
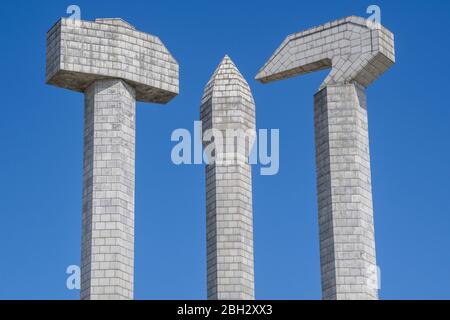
x: 227, y: 103
x: 355, y: 52
x: 80, y: 52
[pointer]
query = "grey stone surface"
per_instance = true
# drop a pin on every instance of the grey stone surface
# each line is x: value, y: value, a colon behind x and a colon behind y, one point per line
x: 344, y: 191
x: 80, y: 52
x: 113, y: 64
x: 357, y: 52
x: 354, y: 51
x: 227, y: 104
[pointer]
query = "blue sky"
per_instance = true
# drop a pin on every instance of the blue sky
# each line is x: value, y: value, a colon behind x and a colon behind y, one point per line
x: 41, y: 130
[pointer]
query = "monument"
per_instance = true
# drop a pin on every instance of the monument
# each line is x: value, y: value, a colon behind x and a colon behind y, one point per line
x: 114, y: 65
x: 358, y: 51
x: 228, y: 108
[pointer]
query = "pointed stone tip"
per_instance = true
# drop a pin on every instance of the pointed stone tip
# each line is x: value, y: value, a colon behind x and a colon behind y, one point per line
x: 226, y: 74
x: 226, y: 59
x: 226, y: 68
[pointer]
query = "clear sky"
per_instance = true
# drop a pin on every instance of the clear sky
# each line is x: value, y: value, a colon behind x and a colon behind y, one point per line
x: 41, y: 132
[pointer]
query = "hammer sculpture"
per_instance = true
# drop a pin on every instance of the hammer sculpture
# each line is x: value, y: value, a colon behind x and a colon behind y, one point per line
x: 114, y: 65
x: 358, y: 51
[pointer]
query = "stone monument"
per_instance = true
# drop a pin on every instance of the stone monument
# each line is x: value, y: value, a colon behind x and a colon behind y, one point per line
x: 228, y: 107
x: 358, y: 51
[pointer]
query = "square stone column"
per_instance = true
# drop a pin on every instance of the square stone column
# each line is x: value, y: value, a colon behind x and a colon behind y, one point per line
x: 228, y: 107
x: 108, y: 191
x: 347, y: 244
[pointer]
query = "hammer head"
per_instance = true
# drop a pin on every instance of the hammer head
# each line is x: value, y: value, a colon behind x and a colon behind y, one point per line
x: 81, y: 52
x: 356, y: 50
